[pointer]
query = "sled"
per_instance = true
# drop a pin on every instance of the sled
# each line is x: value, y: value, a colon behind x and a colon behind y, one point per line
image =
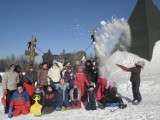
x: 112, y: 104
x: 122, y: 67
x: 3, y: 100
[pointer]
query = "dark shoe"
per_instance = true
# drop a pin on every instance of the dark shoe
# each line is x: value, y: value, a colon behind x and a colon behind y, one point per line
x: 136, y: 102
x: 6, y: 111
x: 123, y: 106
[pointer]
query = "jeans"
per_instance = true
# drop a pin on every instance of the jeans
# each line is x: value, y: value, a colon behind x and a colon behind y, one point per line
x: 136, y: 92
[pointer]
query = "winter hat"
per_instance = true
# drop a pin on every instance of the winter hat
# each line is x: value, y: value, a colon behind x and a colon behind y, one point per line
x: 91, y: 85
x: 31, y: 66
x: 19, y: 85
x: 43, y: 63
x: 38, y: 86
x: 12, y: 65
x: 54, y: 62
x: 140, y: 63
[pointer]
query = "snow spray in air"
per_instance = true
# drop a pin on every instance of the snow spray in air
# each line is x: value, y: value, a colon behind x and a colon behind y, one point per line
x: 113, y: 36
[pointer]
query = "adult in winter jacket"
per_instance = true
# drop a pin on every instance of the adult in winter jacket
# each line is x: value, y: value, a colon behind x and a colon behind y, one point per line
x: 19, y: 103
x: 42, y: 74
x: 29, y: 79
x: 135, y: 80
x: 55, y: 71
x: 81, y: 78
x: 91, y: 96
x: 62, y: 89
x: 90, y: 71
x: 9, y: 84
x: 111, y: 96
x: 75, y: 96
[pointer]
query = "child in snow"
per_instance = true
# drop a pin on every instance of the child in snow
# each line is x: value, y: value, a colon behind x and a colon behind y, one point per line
x: 135, y: 80
x: 38, y: 98
x: 19, y: 103
x: 75, y: 96
x: 91, y: 96
x: 110, y: 96
x: 50, y: 100
x: 62, y: 89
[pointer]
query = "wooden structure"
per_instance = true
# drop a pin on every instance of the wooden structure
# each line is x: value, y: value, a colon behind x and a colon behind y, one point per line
x: 31, y: 51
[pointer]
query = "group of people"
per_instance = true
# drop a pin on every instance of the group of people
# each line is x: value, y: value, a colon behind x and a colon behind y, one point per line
x: 62, y: 87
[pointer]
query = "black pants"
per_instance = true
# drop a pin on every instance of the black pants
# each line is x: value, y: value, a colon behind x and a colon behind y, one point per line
x: 111, y: 100
x: 8, y: 98
x: 91, y: 105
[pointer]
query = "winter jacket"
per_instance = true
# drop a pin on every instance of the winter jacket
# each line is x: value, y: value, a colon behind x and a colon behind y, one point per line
x: 55, y: 73
x: 42, y: 78
x: 50, y: 99
x: 20, y: 99
x: 10, y: 80
x: 91, y: 73
x: 111, y: 93
x: 68, y: 76
x: 135, y: 73
x: 91, y: 98
x: 62, y: 93
x: 81, y: 79
x: 41, y: 94
x: 30, y: 76
x: 72, y: 95
x: 101, y: 89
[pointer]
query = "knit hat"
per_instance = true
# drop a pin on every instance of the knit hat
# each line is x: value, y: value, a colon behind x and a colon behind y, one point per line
x: 19, y: 85
x: 54, y: 62
x: 140, y: 63
x: 91, y: 85
x: 31, y: 66
x: 38, y: 86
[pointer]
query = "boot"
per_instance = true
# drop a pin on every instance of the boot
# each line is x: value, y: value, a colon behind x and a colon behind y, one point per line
x: 122, y: 106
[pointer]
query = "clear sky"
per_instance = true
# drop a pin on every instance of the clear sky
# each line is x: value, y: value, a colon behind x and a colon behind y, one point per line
x: 57, y: 24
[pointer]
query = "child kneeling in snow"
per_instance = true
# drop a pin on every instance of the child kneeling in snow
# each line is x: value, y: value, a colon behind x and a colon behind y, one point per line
x: 50, y: 100
x: 75, y: 96
x: 38, y: 98
x: 110, y: 96
x: 91, y: 96
x: 62, y: 89
x: 19, y: 103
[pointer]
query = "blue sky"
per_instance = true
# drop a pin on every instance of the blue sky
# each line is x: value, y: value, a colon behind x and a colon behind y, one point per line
x: 57, y: 24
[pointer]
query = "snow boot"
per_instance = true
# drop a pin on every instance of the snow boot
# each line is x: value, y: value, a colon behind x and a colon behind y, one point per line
x: 122, y: 106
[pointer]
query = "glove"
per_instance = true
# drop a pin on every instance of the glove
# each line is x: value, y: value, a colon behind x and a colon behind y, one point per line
x: 10, y: 112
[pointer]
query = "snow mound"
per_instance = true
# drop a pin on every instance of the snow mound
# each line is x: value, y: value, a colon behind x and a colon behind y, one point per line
x: 156, y: 53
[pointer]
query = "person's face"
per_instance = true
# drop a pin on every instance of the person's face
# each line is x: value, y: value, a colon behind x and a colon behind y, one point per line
x: 49, y: 89
x: 45, y: 66
x: 62, y: 81
x: 12, y: 68
x: 88, y: 63
x: 20, y: 88
x: 77, y: 62
x: 91, y: 88
x: 31, y: 69
x: 75, y: 86
x: 37, y: 89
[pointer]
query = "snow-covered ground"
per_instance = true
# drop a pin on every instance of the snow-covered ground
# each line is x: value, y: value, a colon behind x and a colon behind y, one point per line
x: 149, y: 109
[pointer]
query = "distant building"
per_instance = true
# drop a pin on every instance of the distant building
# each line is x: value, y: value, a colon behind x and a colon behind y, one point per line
x: 71, y: 57
x: 145, y: 28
